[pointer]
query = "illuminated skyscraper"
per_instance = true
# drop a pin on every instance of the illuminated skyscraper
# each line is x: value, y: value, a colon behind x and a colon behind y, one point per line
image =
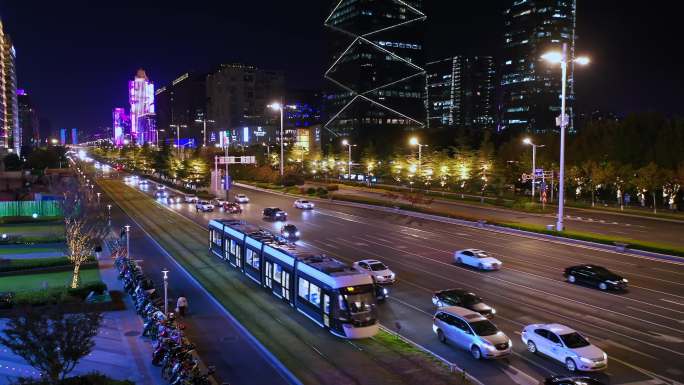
x: 461, y: 92
x: 141, y: 98
x: 376, y: 71
x: 531, y: 87
x: 10, y: 132
x: 120, y: 126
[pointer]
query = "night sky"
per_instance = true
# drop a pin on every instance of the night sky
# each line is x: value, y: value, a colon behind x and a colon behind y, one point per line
x: 74, y: 58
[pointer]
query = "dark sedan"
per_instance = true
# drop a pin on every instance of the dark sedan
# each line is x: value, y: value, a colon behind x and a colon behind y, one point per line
x: 596, y: 276
x: 290, y: 232
x: 274, y: 213
x: 462, y: 298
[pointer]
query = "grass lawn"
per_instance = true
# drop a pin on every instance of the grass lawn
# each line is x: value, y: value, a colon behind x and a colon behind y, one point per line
x: 35, y: 281
x: 10, y: 250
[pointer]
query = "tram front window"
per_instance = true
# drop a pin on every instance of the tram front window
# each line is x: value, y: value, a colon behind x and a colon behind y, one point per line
x: 359, y: 302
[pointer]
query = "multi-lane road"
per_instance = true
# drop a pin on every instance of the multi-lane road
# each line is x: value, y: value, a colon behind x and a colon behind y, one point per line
x: 641, y: 330
x: 615, y: 224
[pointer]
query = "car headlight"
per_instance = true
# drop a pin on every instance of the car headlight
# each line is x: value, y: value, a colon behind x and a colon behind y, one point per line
x: 297, y: 233
x: 384, y: 291
x: 605, y: 356
x: 493, y: 311
x: 625, y: 280
x: 392, y: 275
x: 586, y: 360
x: 286, y: 234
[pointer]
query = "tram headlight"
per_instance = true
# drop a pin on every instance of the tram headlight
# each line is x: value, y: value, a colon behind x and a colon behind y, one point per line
x: 297, y: 233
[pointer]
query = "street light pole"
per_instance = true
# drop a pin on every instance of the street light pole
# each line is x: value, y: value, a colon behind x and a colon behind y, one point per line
x: 166, y: 291
x: 128, y: 243
x: 562, y: 59
x: 282, y: 144
x: 534, y: 162
x: 349, y: 161
x: 414, y: 141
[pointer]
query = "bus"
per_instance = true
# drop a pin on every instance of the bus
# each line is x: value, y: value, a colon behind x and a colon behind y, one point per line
x: 331, y: 293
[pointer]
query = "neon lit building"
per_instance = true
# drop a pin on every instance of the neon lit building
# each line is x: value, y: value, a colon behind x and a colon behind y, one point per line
x: 120, y: 125
x: 141, y: 98
x: 376, y: 72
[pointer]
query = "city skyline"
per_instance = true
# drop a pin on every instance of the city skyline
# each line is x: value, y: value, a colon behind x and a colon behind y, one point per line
x: 452, y: 30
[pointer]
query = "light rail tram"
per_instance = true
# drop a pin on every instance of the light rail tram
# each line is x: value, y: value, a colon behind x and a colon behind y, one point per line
x: 331, y: 293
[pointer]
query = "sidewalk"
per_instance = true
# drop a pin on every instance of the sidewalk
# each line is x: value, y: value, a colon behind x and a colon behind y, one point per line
x: 119, y: 351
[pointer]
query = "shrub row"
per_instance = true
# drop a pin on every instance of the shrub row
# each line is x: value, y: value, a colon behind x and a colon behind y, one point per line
x: 7, y: 265
x: 58, y: 295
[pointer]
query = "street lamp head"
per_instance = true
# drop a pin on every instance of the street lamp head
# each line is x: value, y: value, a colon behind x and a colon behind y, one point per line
x: 553, y: 57
x: 275, y: 106
x: 165, y: 271
x: 345, y: 142
x: 582, y: 60
x: 527, y: 141
x: 128, y: 228
x: 414, y: 141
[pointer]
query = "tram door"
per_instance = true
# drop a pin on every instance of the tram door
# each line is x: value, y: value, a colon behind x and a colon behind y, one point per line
x: 326, y: 310
x: 286, y: 285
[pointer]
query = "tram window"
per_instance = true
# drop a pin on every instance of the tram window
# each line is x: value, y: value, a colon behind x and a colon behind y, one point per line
x: 303, y: 288
x: 248, y: 257
x: 315, y: 295
x: 277, y: 271
x: 233, y: 245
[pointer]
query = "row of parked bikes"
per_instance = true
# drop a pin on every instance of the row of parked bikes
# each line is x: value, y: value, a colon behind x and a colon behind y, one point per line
x: 172, y: 352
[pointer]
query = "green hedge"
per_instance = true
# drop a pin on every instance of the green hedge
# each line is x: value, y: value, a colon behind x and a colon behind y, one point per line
x: 58, y: 295
x: 86, y: 379
x: 7, y: 265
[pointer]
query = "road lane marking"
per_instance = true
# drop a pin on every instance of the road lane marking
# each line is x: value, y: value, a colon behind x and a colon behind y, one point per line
x: 656, y: 314
x: 670, y: 301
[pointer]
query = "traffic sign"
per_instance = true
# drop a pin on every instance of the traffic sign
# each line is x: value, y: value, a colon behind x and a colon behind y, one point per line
x: 236, y: 159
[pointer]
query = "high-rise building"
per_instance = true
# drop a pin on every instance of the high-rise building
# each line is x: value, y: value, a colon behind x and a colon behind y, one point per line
x: 531, y: 87
x: 10, y: 131
x: 238, y: 97
x: 141, y: 98
x: 120, y: 126
x: 461, y: 92
x: 183, y: 105
x: 376, y: 74
x: 28, y: 120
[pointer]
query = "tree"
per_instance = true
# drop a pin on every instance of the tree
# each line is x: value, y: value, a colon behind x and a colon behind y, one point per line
x: 648, y: 179
x: 50, y: 341
x: 79, y: 244
x: 12, y: 162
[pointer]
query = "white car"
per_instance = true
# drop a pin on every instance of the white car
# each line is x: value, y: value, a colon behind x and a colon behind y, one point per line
x: 303, y: 204
x: 477, y: 258
x: 190, y: 199
x: 470, y: 331
x: 204, y: 206
x: 565, y: 345
x: 241, y: 198
x: 380, y: 273
x: 219, y: 202
x: 144, y: 182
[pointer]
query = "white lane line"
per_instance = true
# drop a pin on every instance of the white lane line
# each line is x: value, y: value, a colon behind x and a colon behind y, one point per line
x: 656, y: 314
x: 670, y: 301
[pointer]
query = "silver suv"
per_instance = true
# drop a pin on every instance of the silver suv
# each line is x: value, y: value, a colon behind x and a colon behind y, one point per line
x: 470, y: 331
